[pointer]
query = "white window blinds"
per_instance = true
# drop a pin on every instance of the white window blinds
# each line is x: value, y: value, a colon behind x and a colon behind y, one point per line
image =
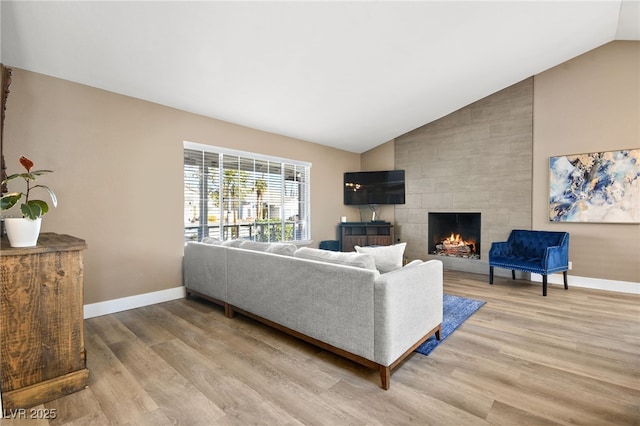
x: 232, y: 194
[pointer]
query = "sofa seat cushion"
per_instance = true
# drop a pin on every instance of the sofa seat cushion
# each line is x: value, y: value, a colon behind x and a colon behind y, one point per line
x: 386, y: 258
x: 521, y: 263
x: 340, y: 258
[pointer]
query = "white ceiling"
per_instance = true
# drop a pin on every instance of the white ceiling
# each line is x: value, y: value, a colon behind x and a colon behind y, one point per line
x: 350, y: 75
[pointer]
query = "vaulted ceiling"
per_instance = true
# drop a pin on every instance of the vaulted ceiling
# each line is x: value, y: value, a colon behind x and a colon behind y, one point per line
x: 350, y: 75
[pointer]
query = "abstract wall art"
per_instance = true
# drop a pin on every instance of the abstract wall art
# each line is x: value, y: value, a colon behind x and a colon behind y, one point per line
x: 600, y: 187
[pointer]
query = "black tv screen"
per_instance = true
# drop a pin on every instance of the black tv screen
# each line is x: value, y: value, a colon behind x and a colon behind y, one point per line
x: 382, y: 187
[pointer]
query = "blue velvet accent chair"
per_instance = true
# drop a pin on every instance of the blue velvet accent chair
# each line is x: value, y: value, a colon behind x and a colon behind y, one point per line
x: 540, y: 252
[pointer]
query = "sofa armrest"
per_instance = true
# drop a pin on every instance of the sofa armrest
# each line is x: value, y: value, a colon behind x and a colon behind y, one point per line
x: 205, y: 269
x: 500, y: 249
x: 408, y: 304
x: 555, y: 258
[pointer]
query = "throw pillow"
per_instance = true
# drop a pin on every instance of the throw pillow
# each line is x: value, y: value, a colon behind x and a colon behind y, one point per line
x: 340, y: 258
x: 386, y: 258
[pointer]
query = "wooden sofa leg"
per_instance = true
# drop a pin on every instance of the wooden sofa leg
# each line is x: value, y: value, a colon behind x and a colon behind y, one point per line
x: 228, y: 311
x: 544, y: 285
x: 566, y: 284
x: 385, y: 376
x: 513, y: 274
x: 490, y: 274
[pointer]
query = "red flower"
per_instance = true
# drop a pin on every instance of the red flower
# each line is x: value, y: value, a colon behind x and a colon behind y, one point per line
x: 26, y: 163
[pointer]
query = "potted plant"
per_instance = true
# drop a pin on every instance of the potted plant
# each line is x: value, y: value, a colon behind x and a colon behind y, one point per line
x: 24, y: 231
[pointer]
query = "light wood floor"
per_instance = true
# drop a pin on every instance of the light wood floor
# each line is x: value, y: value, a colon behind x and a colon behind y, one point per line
x: 569, y: 358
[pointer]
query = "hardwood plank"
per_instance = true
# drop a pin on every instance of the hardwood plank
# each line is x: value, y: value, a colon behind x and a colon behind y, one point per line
x: 237, y: 399
x: 504, y: 414
x: 179, y: 400
x: 109, y: 376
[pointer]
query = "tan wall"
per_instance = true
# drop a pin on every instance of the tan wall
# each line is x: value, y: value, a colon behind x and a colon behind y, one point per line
x: 381, y: 157
x: 117, y: 165
x: 589, y: 104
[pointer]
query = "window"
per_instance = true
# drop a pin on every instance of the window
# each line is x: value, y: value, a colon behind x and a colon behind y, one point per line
x: 232, y: 194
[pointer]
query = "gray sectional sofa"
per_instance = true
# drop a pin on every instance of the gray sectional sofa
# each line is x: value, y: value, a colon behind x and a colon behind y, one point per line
x: 338, y: 301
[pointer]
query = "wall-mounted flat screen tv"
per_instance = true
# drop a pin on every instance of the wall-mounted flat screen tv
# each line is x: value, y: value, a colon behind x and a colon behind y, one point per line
x: 381, y: 187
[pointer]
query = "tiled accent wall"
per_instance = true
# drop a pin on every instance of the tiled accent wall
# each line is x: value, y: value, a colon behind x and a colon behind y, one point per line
x: 477, y: 159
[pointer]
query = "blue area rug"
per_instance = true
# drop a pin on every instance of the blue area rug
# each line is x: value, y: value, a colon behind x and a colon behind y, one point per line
x: 456, y: 310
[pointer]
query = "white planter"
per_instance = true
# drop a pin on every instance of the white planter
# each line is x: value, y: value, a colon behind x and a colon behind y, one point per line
x: 22, y: 232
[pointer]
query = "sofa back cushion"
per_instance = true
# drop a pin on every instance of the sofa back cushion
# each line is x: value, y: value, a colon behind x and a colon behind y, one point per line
x: 340, y: 258
x: 253, y: 245
x: 285, y: 249
x: 212, y: 241
x: 532, y: 244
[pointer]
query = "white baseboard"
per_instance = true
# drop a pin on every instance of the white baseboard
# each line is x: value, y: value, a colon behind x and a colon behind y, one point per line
x: 594, y: 283
x: 132, y: 302
x: 138, y: 301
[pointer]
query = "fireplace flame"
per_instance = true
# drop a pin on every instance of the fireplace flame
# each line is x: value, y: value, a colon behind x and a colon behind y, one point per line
x: 454, y: 238
x: 455, y: 243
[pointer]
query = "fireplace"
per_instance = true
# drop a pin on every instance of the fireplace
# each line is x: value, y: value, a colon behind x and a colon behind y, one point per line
x: 454, y: 234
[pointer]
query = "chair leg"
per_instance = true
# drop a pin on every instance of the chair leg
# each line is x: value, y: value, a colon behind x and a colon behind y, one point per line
x: 544, y: 285
x: 490, y: 274
x: 566, y: 285
x: 513, y: 274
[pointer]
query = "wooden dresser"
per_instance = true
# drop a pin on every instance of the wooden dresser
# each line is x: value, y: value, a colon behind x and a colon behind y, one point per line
x: 42, y: 355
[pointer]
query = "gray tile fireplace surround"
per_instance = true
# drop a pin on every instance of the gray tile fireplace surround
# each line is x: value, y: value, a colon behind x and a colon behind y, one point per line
x: 477, y: 159
x: 477, y: 266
